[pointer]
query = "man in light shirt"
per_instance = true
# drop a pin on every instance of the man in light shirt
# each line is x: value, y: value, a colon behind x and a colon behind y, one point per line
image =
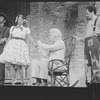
x: 56, y: 50
x: 92, y: 43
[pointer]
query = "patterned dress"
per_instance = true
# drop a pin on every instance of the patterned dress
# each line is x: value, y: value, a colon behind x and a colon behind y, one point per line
x: 16, y: 51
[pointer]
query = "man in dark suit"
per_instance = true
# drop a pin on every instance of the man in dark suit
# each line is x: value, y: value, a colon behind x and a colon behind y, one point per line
x: 4, y: 34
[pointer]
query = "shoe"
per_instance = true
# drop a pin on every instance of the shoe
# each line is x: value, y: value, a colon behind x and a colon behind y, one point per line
x: 37, y: 84
x: 87, y: 83
x: 43, y: 84
x: 13, y: 84
x: 22, y: 84
x: 33, y: 84
x: 15, y: 81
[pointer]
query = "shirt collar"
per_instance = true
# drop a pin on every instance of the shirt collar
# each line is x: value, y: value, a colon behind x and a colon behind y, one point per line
x: 94, y: 17
x: 20, y: 26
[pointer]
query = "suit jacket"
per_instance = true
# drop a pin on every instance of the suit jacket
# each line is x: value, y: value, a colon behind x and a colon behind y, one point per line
x: 4, y: 33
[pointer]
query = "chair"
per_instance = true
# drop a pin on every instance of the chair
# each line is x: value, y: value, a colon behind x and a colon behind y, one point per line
x: 59, y: 76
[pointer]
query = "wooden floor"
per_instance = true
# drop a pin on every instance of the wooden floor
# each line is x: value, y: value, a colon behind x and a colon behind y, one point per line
x: 8, y: 82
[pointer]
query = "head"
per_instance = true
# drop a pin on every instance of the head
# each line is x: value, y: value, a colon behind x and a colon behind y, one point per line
x: 55, y: 34
x: 20, y: 20
x: 3, y: 18
x: 90, y: 12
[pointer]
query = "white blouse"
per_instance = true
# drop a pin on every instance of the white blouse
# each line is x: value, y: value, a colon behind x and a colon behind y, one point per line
x: 17, y: 32
x: 90, y: 25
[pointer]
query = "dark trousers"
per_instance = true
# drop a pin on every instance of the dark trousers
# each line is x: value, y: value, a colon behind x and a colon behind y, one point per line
x: 92, y: 45
x: 2, y: 73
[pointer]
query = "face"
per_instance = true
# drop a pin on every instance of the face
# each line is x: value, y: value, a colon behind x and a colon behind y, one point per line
x: 20, y: 20
x: 88, y: 15
x: 1, y: 19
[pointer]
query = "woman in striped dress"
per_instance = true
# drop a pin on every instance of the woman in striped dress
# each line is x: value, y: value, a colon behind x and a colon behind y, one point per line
x: 16, y: 50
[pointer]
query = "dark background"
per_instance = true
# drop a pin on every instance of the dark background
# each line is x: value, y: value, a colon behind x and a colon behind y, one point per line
x: 12, y: 9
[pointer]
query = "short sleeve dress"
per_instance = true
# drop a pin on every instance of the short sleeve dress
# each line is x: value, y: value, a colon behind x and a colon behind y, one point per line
x: 16, y: 51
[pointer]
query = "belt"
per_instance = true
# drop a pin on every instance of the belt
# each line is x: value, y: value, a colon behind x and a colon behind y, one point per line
x: 18, y: 38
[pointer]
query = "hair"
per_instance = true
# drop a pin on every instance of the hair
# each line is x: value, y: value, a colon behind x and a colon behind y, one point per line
x: 5, y: 19
x: 56, y: 33
x: 92, y: 9
x: 16, y: 21
x: 20, y: 15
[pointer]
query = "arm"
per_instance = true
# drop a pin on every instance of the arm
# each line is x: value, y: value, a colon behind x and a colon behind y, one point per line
x: 43, y: 52
x: 53, y: 47
x: 10, y: 35
x: 79, y: 38
x: 8, y: 39
x: 28, y: 36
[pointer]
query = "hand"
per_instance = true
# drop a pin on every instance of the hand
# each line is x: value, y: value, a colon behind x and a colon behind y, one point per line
x: 75, y: 36
x: 35, y: 43
x: 36, y: 46
x: 78, y: 38
x: 38, y: 42
x: 3, y: 40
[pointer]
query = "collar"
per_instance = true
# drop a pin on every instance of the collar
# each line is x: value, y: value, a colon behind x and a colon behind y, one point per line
x: 19, y: 26
x: 94, y: 17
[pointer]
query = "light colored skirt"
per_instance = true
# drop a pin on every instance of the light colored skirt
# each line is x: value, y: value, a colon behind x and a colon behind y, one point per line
x: 15, y: 52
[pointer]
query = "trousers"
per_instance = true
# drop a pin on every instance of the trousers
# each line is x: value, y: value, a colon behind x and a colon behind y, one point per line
x: 2, y: 73
x: 40, y: 68
x: 92, y: 52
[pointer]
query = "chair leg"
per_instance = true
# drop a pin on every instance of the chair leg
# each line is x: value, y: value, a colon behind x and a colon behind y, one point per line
x: 52, y: 81
x: 62, y: 81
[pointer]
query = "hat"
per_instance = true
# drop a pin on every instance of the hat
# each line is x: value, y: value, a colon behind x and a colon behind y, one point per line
x: 5, y: 16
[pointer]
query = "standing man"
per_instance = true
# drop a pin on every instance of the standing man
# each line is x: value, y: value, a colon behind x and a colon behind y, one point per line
x: 92, y: 43
x: 4, y: 34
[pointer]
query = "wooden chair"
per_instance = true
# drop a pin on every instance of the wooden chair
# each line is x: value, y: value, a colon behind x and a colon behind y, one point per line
x: 59, y: 75
x: 63, y: 74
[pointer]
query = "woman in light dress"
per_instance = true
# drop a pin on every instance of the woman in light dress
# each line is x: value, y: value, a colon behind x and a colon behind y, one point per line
x: 16, y: 50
